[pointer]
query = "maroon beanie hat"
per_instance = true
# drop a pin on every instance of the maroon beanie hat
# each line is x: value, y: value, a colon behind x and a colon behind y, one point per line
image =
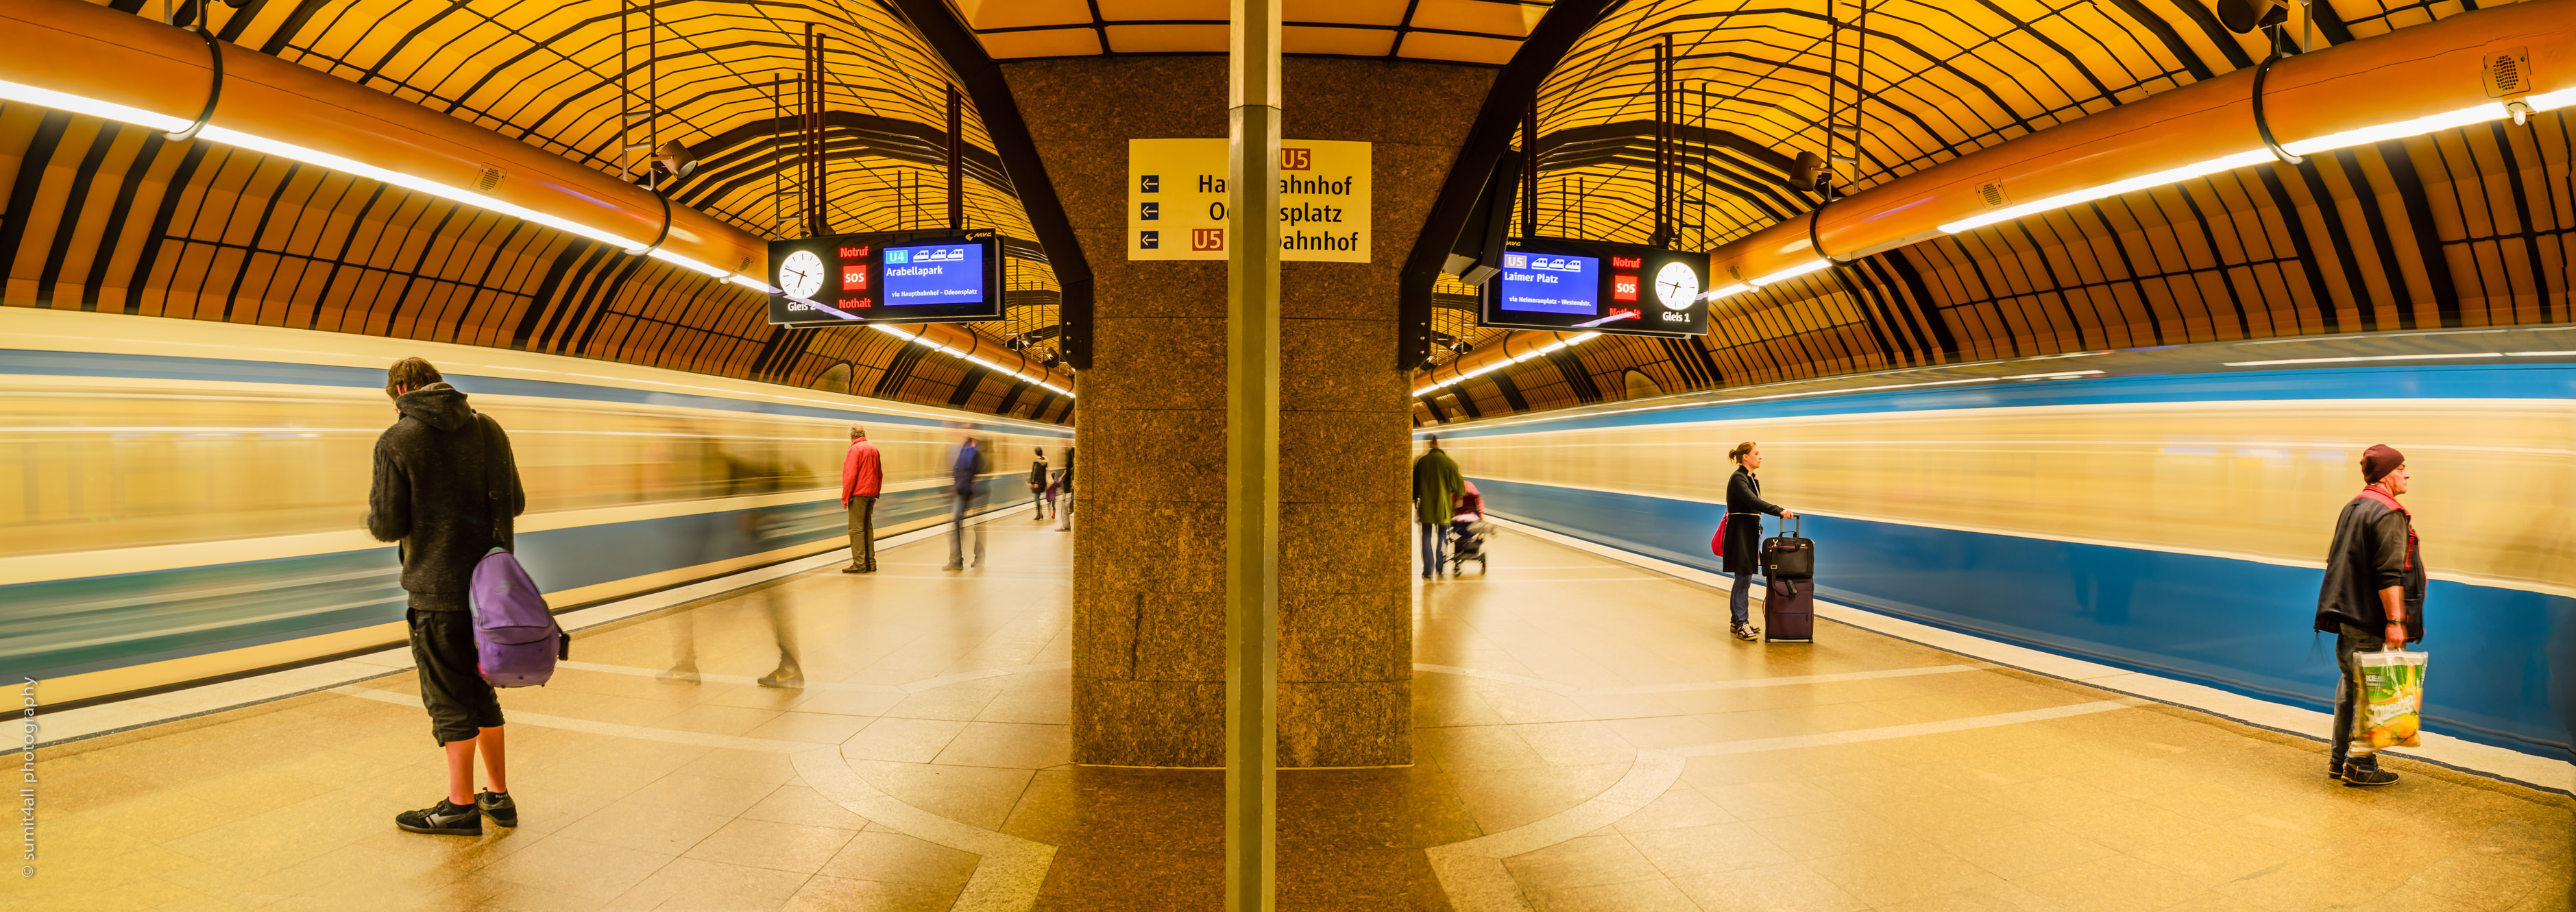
x: 2378, y: 461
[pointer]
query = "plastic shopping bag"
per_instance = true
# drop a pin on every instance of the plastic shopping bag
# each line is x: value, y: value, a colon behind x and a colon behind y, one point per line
x: 2392, y: 704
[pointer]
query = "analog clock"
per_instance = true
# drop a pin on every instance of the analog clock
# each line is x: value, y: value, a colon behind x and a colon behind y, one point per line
x: 801, y: 275
x: 1677, y: 286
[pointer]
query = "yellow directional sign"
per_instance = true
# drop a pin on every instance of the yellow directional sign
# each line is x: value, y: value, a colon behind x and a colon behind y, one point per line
x: 1176, y: 200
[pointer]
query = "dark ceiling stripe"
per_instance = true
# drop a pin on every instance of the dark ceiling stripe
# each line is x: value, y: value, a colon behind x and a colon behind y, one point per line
x: 67, y: 224
x: 2428, y: 241
x: 32, y: 168
x: 348, y: 242
x: 113, y: 238
x: 2374, y: 220
x: 2330, y: 217
x: 2510, y: 174
x: 267, y: 209
x: 2286, y: 210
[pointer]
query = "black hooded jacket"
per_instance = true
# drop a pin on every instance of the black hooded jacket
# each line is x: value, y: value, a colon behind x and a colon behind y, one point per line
x: 433, y: 494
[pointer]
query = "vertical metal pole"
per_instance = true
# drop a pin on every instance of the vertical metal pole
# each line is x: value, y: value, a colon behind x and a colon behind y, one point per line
x: 777, y: 155
x: 816, y: 224
x: 956, y: 163
x: 1529, y: 170
x: 1252, y: 456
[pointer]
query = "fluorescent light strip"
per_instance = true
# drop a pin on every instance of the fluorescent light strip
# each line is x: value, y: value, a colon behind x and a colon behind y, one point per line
x: 90, y: 106
x: 926, y: 342
x: 2353, y: 358
x: 1791, y: 272
x: 13, y: 91
x: 1735, y: 289
x: 2058, y: 375
x: 2398, y: 130
x: 1524, y: 356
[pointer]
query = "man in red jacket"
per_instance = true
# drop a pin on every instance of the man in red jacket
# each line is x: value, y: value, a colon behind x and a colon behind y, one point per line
x: 861, y: 478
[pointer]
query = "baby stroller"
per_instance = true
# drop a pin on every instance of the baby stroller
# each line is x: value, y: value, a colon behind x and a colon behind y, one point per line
x: 1468, y: 532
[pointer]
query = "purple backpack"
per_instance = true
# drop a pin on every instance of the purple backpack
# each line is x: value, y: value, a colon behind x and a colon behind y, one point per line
x: 516, y: 639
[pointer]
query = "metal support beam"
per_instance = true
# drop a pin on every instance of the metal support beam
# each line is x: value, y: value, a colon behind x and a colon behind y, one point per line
x: 1252, y: 456
x: 956, y: 163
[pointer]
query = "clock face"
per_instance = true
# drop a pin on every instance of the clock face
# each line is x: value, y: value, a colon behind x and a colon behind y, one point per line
x: 1677, y: 286
x: 801, y: 275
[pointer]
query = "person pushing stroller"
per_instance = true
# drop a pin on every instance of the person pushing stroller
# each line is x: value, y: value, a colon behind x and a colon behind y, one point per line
x: 1468, y: 530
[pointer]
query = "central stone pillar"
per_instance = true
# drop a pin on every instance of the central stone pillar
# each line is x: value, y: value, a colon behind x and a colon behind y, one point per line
x: 1149, y: 573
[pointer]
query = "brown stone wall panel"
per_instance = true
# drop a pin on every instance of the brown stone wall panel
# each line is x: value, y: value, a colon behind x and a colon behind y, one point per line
x: 1119, y: 98
x: 1150, y: 288
x: 1344, y: 457
x: 1155, y: 546
x: 1364, y: 636
x: 1362, y: 723
x: 1342, y: 547
x: 1148, y: 723
x: 1155, y: 454
x: 1179, y: 636
x: 1168, y: 363
x: 1339, y: 365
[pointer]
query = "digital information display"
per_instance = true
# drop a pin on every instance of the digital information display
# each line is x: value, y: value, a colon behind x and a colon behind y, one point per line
x: 1569, y: 285
x: 893, y: 277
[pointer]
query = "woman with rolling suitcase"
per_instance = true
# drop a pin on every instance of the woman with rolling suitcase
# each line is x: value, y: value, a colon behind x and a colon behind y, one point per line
x: 1741, y: 533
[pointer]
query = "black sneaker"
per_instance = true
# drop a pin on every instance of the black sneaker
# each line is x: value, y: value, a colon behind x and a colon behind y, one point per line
x: 443, y: 819
x: 852, y: 570
x: 2366, y: 772
x: 499, y: 807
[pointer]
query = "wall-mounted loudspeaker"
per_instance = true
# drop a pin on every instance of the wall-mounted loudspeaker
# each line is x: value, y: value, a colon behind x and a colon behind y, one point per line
x: 2242, y: 16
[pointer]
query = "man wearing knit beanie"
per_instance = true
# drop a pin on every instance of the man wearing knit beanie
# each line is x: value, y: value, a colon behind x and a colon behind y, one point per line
x: 2372, y: 598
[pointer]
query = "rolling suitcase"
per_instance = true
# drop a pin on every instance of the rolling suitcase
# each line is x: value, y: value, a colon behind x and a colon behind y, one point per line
x: 1789, y: 603
x: 1789, y: 611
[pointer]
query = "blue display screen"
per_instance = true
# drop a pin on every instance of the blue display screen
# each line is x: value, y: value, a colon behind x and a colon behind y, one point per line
x: 1550, y: 283
x: 934, y: 274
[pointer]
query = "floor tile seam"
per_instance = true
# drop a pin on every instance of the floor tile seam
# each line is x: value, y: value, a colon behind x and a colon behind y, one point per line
x: 1558, y: 687
x: 1009, y: 870
x: 1471, y: 872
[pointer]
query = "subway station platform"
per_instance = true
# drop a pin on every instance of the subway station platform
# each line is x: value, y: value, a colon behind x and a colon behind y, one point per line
x: 1587, y: 737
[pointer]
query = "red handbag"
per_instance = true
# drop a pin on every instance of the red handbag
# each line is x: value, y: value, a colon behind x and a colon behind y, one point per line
x: 1717, y: 543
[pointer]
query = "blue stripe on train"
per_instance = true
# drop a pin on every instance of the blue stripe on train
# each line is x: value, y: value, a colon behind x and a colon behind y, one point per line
x: 66, y: 627
x: 2503, y: 660
x: 172, y: 367
x: 2422, y: 381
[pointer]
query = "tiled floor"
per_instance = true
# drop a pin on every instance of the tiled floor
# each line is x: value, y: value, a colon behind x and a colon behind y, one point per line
x: 1587, y: 739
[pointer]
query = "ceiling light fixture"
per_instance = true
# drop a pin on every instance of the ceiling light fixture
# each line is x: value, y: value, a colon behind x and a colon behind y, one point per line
x: 12, y: 91
x: 1792, y: 272
x: 2396, y: 130
x: 1541, y: 351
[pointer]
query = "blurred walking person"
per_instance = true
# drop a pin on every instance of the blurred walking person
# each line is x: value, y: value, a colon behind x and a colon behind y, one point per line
x: 1064, y: 486
x: 1038, y: 485
x: 445, y: 490
x: 966, y: 473
x: 862, y: 477
x: 1744, y: 511
x: 1436, y: 486
x: 2372, y: 597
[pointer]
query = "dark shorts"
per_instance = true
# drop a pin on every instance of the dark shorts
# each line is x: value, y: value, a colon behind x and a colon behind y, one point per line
x: 452, y: 688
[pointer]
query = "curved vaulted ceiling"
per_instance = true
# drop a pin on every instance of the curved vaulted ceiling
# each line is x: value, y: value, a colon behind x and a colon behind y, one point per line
x: 2464, y: 227
x: 1455, y: 31
x: 108, y: 216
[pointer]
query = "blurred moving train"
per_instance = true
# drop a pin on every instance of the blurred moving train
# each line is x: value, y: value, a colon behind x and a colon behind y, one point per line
x: 2164, y: 510
x: 189, y: 496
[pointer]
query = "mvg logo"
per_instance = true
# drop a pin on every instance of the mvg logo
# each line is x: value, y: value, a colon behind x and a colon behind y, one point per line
x: 1207, y: 239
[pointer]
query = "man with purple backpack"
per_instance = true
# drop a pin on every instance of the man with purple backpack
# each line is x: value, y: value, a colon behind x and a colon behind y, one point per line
x: 446, y: 487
